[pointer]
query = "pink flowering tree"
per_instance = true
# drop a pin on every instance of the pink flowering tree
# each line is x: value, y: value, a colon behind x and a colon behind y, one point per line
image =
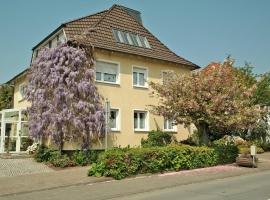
x: 209, y: 99
x: 65, y: 103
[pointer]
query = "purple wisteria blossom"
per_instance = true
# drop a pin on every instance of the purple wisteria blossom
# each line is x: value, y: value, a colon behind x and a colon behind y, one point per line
x: 65, y: 103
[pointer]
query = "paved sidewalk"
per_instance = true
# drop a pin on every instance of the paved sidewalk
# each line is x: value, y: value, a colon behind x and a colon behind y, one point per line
x: 44, y: 181
x: 22, y: 166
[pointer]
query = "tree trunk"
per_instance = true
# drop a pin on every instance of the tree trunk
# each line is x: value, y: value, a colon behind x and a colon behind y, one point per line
x: 61, y: 145
x: 203, y: 131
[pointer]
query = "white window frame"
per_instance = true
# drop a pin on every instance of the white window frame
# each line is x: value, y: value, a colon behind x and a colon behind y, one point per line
x: 146, y: 43
x: 102, y: 75
x: 118, y: 119
x: 174, y: 127
x: 145, y: 71
x: 21, y: 96
x: 146, y: 120
x: 129, y: 39
x: 120, y: 36
x: 139, y: 41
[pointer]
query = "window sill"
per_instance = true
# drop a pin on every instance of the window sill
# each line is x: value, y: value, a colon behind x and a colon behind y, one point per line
x: 115, y: 130
x: 141, y: 130
x: 140, y: 87
x: 108, y: 83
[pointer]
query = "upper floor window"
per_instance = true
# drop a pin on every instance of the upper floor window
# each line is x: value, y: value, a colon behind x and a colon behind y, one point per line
x: 131, y: 38
x: 107, y: 72
x: 22, y: 91
x: 140, y: 77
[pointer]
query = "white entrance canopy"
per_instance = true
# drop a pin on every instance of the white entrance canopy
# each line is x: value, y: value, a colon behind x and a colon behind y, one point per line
x: 14, y: 131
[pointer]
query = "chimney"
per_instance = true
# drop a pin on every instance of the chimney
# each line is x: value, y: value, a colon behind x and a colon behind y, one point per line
x: 134, y: 13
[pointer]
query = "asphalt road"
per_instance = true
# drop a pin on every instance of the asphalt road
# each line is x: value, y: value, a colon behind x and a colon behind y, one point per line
x: 247, y: 187
x: 255, y: 186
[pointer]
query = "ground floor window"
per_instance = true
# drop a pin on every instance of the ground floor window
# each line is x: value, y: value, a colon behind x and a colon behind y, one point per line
x: 169, y: 125
x: 140, y: 120
x: 115, y: 120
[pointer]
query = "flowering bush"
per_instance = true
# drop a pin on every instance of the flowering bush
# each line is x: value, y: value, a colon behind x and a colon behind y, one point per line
x: 65, y: 103
x: 33, y: 148
x: 235, y: 139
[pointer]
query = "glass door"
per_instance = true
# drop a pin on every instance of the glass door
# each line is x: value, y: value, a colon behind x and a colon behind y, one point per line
x: 25, y: 140
x: 11, y: 138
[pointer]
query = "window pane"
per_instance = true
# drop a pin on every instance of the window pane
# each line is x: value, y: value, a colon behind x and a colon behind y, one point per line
x: 24, y: 129
x: 141, y: 79
x: 124, y: 35
x: 165, y: 124
x: 116, y: 37
x: 113, y: 119
x: 129, y: 39
x: 98, y: 76
x: 110, y: 77
x: 120, y: 36
x: 135, y: 120
x: 138, y: 41
x: 142, y: 41
x: 146, y: 43
x: 142, y: 120
x: 170, y: 126
x: 135, y: 81
x: 22, y: 89
x: 134, y: 39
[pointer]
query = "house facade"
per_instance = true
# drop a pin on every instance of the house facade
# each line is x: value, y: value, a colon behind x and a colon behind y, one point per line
x: 128, y: 57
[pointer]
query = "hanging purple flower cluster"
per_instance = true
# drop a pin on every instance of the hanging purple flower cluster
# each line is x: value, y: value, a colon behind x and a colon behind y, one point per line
x: 65, y: 103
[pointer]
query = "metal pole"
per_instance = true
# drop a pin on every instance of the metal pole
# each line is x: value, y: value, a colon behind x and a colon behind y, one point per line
x: 107, y: 121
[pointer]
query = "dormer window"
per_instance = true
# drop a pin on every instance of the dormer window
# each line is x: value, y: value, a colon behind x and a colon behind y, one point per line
x: 130, y: 38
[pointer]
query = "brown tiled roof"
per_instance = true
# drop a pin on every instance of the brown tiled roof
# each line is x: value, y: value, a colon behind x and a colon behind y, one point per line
x: 117, y: 17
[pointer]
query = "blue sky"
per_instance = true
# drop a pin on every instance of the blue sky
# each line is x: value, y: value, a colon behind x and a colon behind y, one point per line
x: 199, y: 30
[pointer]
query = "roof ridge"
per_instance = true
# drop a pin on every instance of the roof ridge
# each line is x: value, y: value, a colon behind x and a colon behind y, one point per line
x: 108, y: 11
x: 73, y: 20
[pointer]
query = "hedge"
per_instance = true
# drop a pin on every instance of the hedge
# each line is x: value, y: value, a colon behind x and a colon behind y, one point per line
x: 55, y: 158
x: 226, y: 151
x: 120, y: 163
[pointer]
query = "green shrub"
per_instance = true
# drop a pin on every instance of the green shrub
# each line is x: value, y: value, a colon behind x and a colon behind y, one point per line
x: 157, y: 139
x: 226, y: 151
x: 53, y: 157
x: 80, y: 158
x: 43, y: 153
x: 93, y: 155
x: 60, y: 160
x: 118, y: 163
x: 85, y: 157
